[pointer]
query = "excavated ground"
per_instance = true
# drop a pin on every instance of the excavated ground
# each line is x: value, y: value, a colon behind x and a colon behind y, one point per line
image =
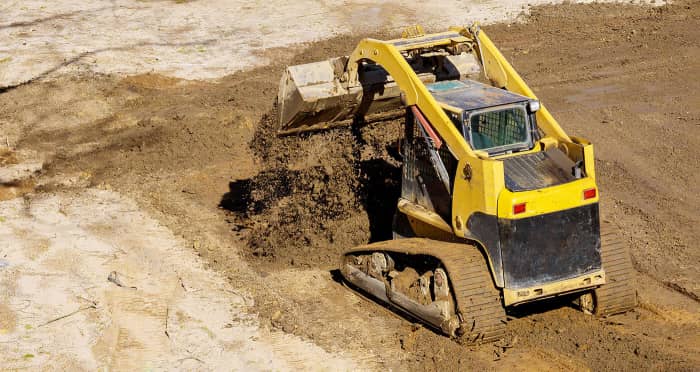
x: 202, y: 158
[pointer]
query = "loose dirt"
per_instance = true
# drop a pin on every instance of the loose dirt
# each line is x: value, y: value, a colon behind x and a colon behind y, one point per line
x: 317, y: 194
x: 270, y: 214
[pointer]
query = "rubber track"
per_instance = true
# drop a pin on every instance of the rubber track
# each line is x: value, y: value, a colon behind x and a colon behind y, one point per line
x: 478, y: 301
x: 618, y: 294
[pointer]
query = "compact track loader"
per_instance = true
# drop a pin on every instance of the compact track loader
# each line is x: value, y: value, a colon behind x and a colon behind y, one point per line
x: 498, y: 206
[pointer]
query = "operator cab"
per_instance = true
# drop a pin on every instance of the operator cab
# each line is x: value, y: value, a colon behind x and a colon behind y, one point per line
x: 491, y: 119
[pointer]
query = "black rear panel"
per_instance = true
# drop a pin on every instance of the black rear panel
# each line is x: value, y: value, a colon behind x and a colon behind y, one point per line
x: 550, y: 247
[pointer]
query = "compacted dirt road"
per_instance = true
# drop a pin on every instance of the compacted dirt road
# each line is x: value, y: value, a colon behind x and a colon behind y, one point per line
x: 224, y: 238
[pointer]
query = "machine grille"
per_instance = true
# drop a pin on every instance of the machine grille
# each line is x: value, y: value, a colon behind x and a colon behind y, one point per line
x: 538, y: 170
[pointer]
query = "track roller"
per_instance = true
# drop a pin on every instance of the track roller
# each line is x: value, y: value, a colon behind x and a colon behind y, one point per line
x: 448, y: 286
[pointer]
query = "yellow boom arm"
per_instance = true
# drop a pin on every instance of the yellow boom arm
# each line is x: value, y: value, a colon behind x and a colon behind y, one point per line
x: 486, y: 175
x: 415, y: 93
x: 482, y: 178
x: 504, y: 75
x: 319, y: 95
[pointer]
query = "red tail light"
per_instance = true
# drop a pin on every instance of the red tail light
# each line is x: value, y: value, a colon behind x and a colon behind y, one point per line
x: 519, y: 208
x: 589, y: 194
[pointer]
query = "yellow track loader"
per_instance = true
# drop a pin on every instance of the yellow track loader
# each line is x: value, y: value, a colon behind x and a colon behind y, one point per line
x: 498, y: 206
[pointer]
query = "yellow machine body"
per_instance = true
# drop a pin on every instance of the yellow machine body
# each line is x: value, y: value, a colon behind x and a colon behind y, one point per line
x: 539, y: 240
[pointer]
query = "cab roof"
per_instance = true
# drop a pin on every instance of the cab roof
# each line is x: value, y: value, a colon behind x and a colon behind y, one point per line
x: 471, y: 95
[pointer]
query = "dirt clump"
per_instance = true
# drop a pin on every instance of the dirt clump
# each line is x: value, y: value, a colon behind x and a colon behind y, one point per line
x: 7, y: 157
x: 317, y: 194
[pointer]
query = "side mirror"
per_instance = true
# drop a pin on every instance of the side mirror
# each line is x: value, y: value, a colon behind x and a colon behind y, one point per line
x: 533, y: 106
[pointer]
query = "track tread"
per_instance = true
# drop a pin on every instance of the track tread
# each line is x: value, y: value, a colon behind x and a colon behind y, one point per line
x: 478, y: 301
x: 618, y: 294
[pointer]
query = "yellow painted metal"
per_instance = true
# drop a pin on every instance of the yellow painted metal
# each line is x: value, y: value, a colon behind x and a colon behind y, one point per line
x: 479, y: 185
x: 430, y: 225
x: 588, y: 158
x: 428, y: 41
x: 477, y: 192
x: 546, y: 200
x: 480, y: 180
x: 413, y: 31
x: 452, y: 109
x: 513, y: 296
x: 547, y: 143
x: 499, y: 70
x: 415, y: 92
x: 428, y: 231
x: 428, y: 217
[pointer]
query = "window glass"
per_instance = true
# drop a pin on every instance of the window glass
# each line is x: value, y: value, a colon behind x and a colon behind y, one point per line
x: 498, y: 128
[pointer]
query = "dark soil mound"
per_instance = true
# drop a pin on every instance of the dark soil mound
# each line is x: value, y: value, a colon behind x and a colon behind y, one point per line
x: 318, y: 193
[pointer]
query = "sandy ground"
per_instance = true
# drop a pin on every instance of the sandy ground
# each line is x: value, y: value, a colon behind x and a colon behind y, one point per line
x: 162, y: 310
x: 199, y: 39
x: 129, y: 173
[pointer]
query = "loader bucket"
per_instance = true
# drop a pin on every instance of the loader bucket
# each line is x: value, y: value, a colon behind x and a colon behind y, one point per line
x: 316, y: 96
x: 312, y: 97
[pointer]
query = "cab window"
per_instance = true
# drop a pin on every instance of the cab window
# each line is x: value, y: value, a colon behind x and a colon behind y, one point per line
x: 505, y: 129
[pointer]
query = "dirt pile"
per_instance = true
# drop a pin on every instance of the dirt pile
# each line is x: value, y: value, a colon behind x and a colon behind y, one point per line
x: 317, y: 194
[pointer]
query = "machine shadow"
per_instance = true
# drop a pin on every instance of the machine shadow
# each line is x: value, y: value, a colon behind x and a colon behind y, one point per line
x: 542, y: 306
x: 379, y: 192
x: 379, y: 186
